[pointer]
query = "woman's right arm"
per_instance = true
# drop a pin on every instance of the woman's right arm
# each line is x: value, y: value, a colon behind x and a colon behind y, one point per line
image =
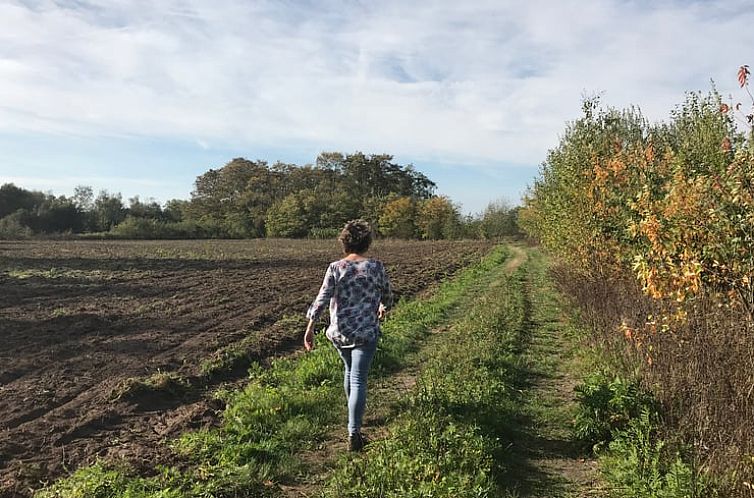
x: 318, y: 306
x: 323, y: 297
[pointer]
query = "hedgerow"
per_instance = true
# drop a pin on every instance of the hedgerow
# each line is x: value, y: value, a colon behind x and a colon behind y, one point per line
x: 653, y: 227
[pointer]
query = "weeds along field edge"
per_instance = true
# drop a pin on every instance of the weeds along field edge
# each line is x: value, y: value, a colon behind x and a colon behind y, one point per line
x: 284, y: 410
x: 623, y: 424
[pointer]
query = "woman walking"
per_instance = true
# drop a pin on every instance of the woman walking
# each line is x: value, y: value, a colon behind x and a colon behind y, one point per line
x: 358, y: 292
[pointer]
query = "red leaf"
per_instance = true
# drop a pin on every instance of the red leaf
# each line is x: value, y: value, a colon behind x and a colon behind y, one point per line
x: 726, y: 145
x: 724, y: 108
x: 743, y: 74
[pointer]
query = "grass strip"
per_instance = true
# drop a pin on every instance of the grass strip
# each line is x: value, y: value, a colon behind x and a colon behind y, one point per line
x: 284, y: 410
x: 615, y: 418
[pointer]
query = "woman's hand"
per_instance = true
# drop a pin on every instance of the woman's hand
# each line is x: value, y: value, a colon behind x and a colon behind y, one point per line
x: 309, y: 336
x: 381, y: 312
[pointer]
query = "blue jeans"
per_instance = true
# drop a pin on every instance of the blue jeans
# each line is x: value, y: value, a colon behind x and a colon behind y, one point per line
x: 357, y: 362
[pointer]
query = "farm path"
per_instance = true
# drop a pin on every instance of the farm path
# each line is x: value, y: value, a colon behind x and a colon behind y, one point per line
x: 387, y: 398
x: 545, y: 461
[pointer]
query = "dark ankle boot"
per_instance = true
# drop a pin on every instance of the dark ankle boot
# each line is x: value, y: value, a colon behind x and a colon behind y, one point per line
x: 355, y: 442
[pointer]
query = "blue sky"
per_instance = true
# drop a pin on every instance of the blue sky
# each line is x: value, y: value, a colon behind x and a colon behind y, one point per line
x: 140, y: 97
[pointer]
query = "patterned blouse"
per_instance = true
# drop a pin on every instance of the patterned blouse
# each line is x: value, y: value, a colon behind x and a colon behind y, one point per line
x: 354, y: 290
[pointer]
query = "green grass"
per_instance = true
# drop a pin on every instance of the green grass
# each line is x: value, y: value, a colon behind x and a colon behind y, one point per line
x: 284, y: 410
x: 620, y: 422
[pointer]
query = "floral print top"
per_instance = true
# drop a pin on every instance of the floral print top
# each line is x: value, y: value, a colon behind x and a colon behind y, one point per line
x: 354, y: 290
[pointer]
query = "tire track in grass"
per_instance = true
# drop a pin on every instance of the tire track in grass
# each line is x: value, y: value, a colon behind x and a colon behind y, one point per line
x: 544, y: 459
x: 450, y: 438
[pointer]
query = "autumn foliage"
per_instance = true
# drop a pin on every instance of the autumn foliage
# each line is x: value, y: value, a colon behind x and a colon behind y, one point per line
x: 673, y: 203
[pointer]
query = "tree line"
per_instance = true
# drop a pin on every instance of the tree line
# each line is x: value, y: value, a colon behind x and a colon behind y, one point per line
x: 249, y: 199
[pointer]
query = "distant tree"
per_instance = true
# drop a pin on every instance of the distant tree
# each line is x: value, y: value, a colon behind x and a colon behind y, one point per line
x: 376, y: 175
x: 370, y: 210
x: 332, y: 161
x: 83, y: 197
x: 207, y: 197
x: 241, y: 199
x: 417, y: 183
x: 398, y: 218
x: 287, y: 218
x: 323, y: 210
x: 238, y: 225
x: 13, y: 198
x: 218, y: 192
x: 339, y: 207
x: 36, y: 212
x: 56, y: 215
x: 12, y: 226
x: 238, y: 195
x: 175, y: 210
x: 498, y: 220
x: 150, y: 209
x: 470, y: 226
x: 438, y: 218
x: 108, y: 211
x: 244, y: 196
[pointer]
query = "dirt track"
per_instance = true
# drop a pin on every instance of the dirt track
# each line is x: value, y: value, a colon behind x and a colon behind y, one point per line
x: 78, y: 318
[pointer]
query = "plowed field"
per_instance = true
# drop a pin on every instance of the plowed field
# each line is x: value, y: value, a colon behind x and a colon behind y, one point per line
x: 80, y: 318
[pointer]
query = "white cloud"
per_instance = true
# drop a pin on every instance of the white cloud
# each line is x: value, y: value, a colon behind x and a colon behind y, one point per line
x: 486, y: 82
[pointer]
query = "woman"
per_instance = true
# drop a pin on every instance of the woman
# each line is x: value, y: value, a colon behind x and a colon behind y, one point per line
x: 358, y: 292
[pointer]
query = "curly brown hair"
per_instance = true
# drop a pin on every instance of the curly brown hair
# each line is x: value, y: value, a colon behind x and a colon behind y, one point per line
x: 356, y: 237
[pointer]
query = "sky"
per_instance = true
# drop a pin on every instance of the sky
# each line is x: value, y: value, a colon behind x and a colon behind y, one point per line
x: 141, y: 97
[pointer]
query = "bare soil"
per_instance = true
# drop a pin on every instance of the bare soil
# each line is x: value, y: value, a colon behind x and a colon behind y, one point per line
x: 78, y: 318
